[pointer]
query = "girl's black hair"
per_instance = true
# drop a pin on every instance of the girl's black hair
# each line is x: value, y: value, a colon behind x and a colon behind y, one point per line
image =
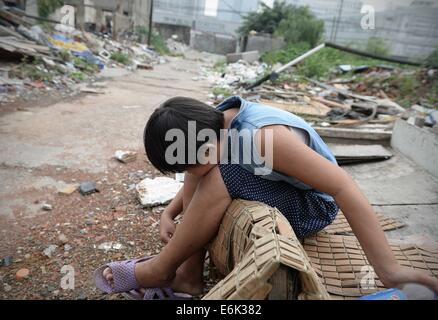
x: 175, y: 113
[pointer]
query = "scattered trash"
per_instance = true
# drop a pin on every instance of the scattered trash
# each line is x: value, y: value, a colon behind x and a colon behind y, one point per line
x: 157, y: 191
x: 91, y: 90
x: 88, y: 187
x: 249, y: 56
x: 62, y: 238
x: 50, y: 250
x: 7, y: 287
x: 47, y: 207
x: 62, y: 57
x: 179, y: 177
x: 131, y: 107
x: 107, y: 246
x: 67, y: 247
x: 125, y: 156
x: 6, y: 261
x: 22, y: 274
x: 176, y: 47
x: 69, y: 189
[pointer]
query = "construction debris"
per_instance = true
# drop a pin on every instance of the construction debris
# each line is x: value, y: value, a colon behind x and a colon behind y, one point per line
x: 352, y: 154
x: 69, y: 189
x: 109, y: 246
x: 47, y: 207
x: 157, y: 191
x: 87, y: 187
x: 50, y: 250
x: 125, y: 156
x: 60, y: 59
x: 6, y: 261
x: 249, y: 56
x: 22, y: 274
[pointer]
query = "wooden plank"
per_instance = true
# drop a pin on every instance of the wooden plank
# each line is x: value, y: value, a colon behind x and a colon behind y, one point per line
x: 359, y: 153
x: 315, y: 108
x: 357, y: 134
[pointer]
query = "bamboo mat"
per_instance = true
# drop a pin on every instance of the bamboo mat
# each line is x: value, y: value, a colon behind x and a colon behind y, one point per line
x: 342, y: 265
x: 340, y: 224
x: 255, y: 240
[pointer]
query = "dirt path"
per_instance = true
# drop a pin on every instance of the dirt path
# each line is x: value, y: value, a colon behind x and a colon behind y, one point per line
x: 44, y: 148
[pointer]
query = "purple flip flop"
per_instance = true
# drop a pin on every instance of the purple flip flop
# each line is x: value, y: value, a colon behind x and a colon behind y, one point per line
x: 123, y: 275
x: 157, y: 294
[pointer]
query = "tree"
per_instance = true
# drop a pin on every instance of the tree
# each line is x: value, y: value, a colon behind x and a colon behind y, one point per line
x: 47, y: 7
x: 265, y: 21
x: 300, y: 25
x: 295, y: 24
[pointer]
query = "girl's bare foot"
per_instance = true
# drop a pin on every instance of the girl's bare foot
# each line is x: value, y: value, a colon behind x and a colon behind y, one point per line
x: 185, y: 283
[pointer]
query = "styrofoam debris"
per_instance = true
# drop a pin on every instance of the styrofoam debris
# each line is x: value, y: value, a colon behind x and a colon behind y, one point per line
x: 157, y: 191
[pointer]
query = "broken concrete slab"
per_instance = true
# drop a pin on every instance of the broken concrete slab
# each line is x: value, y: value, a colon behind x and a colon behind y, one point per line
x: 125, y: 156
x: 355, y: 134
x: 47, y: 207
x: 157, y: 191
x: 69, y: 189
x: 418, y: 144
x: 88, y: 187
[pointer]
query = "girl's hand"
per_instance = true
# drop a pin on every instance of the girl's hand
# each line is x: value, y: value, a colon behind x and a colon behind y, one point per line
x: 404, y: 275
x: 167, y: 228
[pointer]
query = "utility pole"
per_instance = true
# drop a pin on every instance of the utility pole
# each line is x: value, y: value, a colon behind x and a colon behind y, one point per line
x: 117, y: 15
x: 151, y: 11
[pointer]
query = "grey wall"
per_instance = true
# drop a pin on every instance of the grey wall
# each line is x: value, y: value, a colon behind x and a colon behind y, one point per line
x: 211, y: 42
x: 168, y: 30
x: 410, y: 31
x: 263, y: 43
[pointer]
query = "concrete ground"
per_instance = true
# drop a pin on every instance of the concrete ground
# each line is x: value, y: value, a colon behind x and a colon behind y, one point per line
x: 42, y: 149
x: 401, y: 189
x: 83, y: 134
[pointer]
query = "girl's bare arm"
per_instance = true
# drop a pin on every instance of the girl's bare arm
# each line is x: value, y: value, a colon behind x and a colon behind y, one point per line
x: 294, y: 158
x: 175, y: 207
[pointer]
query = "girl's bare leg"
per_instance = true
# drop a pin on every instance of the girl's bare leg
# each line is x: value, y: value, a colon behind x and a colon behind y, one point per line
x: 201, y: 221
x: 189, y: 276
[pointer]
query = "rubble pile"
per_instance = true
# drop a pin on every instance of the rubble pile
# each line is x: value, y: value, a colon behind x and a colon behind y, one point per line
x: 35, y: 59
x: 231, y: 78
x: 357, y: 97
x: 176, y: 47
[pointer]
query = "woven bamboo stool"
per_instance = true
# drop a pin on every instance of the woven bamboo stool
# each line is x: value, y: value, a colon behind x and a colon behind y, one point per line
x: 261, y: 256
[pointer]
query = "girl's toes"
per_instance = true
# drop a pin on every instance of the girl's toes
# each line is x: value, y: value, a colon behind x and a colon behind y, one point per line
x: 107, y: 273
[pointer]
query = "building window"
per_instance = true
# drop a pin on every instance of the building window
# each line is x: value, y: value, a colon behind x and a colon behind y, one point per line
x: 211, y: 8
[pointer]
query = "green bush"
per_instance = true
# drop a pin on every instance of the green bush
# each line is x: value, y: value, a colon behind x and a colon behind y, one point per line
x: 377, y: 46
x: 300, y: 25
x: 317, y: 65
x: 121, y: 58
x: 432, y: 59
x: 295, y: 24
x: 220, y: 66
x: 217, y: 91
x: 85, y: 66
x: 157, y: 41
x: 47, y: 7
